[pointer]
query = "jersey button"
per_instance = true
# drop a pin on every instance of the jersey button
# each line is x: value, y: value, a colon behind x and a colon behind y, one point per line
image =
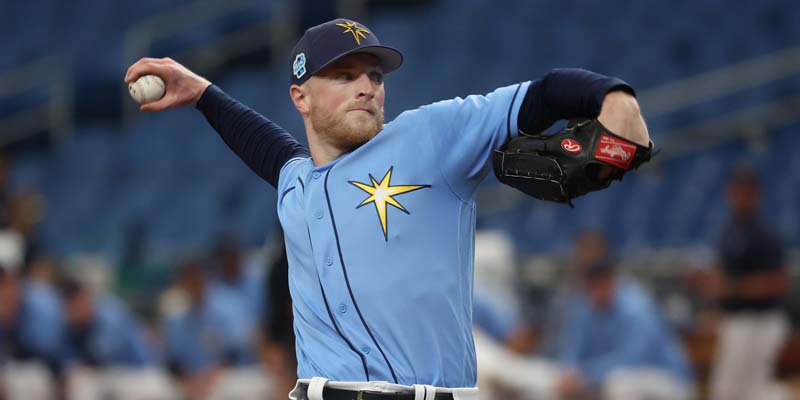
x: 366, y: 350
x: 315, y: 174
x: 342, y: 308
x: 318, y: 214
x: 328, y: 261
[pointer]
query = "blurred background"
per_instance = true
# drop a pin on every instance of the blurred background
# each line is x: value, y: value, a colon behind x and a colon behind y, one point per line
x: 142, y: 260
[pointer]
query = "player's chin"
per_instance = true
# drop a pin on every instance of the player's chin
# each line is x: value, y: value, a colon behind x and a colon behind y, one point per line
x: 365, y: 124
x: 358, y: 134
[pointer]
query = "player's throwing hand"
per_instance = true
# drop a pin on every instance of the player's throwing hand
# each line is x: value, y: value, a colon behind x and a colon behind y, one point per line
x: 184, y: 87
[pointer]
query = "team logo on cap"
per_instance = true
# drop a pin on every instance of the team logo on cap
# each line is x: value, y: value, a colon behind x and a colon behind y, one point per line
x: 357, y: 31
x: 299, y: 65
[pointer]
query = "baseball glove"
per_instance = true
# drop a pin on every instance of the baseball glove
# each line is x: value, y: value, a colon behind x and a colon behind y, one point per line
x: 584, y: 157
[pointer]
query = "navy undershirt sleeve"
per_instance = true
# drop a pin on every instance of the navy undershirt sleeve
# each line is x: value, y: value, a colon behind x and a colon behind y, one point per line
x: 565, y: 93
x: 263, y: 145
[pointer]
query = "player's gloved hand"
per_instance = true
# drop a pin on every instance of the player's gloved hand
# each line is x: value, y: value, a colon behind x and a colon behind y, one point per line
x: 584, y: 157
x: 620, y: 113
x: 183, y: 87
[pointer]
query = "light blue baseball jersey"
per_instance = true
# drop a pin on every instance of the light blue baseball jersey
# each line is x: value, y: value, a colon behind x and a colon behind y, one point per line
x: 380, y: 245
x: 380, y: 241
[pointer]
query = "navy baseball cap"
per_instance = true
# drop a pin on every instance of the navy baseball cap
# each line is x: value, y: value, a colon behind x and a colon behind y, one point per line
x: 325, y: 43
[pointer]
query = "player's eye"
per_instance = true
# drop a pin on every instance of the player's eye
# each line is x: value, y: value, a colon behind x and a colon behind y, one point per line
x: 376, y: 77
x: 344, y: 76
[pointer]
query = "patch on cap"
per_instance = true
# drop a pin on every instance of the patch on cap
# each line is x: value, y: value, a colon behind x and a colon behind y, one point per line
x: 299, y: 65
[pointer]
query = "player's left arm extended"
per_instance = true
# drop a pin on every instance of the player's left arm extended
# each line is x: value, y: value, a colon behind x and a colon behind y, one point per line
x: 574, y: 93
x: 606, y: 138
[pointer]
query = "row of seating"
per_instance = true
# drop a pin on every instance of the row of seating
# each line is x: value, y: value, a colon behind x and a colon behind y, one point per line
x: 171, y: 174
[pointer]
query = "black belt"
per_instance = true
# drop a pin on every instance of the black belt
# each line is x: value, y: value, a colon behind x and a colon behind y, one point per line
x: 329, y: 393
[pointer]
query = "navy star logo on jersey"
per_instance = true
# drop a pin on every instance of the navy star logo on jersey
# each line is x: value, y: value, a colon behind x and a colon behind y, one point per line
x: 381, y: 194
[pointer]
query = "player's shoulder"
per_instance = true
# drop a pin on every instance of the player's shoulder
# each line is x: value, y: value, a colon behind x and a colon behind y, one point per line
x: 425, y: 115
x: 292, y: 169
x: 499, y: 97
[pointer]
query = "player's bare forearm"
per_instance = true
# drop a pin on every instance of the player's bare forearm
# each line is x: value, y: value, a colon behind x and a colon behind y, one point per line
x: 183, y: 87
x: 620, y: 114
x: 260, y: 143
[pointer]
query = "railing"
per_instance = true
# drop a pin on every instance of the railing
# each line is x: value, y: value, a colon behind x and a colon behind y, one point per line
x: 273, y: 32
x: 752, y: 123
x: 53, y: 115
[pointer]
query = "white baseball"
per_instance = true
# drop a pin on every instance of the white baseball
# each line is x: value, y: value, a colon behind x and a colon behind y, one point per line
x: 147, y: 89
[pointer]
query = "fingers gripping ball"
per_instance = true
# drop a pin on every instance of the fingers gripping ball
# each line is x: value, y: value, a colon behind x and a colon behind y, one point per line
x: 147, y: 89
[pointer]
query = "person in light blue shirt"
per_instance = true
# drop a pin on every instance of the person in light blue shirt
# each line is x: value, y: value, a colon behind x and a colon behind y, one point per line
x: 206, y: 335
x: 101, y: 332
x: 40, y: 324
x: 496, y: 320
x: 379, y: 219
x: 238, y: 288
x: 614, y: 339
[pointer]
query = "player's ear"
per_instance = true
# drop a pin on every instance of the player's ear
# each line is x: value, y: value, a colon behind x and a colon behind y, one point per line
x: 299, y: 97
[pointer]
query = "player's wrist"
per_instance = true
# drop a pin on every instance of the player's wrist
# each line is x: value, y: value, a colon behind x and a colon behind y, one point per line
x: 200, y: 89
x: 620, y: 102
x: 620, y: 113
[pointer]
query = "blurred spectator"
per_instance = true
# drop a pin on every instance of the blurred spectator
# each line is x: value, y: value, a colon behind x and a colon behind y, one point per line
x: 238, y: 284
x: 278, y: 346
x: 589, y: 248
x: 497, y: 322
x: 614, y: 341
x: 503, y: 372
x: 750, y: 283
x: 23, y: 214
x: 101, y: 331
x: 5, y: 167
x: 205, y: 345
x: 30, y: 338
x: 107, y: 354
x: 501, y: 337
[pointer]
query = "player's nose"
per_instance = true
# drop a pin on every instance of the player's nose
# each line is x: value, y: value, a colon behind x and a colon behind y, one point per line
x: 366, y: 87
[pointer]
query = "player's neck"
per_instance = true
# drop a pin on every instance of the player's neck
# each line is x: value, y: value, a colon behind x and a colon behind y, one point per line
x: 321, y: 152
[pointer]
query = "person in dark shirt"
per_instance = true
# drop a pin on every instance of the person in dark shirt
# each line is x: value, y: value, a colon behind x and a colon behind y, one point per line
x: 278, y: 345
x: 751, y: 283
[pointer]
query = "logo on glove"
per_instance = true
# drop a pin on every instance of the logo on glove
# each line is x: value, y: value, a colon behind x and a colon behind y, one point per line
x: 615, y: 152
x: 571, y: 146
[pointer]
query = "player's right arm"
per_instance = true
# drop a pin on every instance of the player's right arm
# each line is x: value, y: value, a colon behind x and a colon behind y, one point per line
x: 263, y: 145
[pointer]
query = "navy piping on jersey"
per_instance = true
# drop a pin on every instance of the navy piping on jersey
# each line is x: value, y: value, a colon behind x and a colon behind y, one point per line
x: 336, y: 326
x: 510, y: 108
x: 285, y: 192
x: 333, y: 321
x: 347, y: 280
x: 301, y: 184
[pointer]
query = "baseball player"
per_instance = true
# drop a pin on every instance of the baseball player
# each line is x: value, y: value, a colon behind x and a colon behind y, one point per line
x: 379, y: 220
